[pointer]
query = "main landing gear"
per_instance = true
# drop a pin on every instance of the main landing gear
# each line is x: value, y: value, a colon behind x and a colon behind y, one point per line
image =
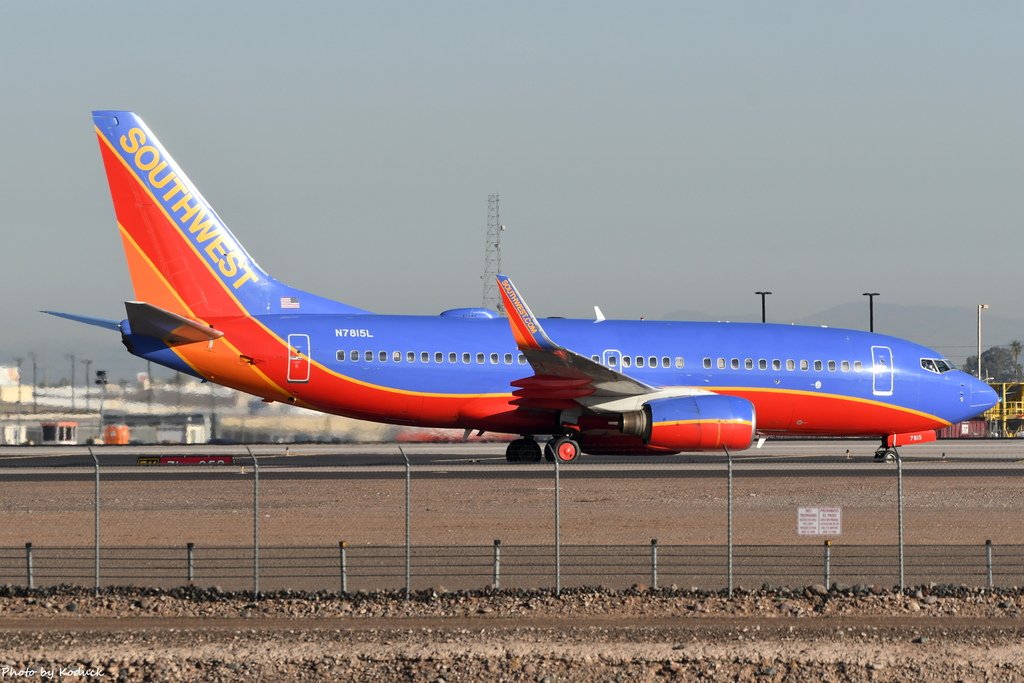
x: 564, y: 448
x: 523, y: 450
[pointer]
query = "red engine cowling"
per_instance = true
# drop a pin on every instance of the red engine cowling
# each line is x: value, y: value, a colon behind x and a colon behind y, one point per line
x: 694, y: 423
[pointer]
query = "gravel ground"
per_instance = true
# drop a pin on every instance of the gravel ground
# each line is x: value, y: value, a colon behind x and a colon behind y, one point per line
x: 846, y: 633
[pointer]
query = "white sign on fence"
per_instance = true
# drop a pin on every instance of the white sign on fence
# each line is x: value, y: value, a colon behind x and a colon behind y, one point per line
x: 819, y: 521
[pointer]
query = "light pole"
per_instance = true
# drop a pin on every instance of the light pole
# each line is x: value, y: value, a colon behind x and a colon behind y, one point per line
x: 72, y: 357
x: 35, y: 387
x: 871, y: 309
x: 19, y: 438
x: 18, y: 361
x: 762, y: 295
x: 87, y: 364
x: 981, y: 307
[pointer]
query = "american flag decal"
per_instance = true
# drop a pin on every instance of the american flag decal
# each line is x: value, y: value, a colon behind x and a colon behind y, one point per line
x: 289, y: 302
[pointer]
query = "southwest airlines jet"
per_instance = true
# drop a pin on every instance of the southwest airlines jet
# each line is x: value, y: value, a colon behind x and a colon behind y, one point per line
x: 205, y: 307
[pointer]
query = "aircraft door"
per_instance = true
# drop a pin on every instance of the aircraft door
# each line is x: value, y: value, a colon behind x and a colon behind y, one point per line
x: 882, y: 370
x: 612, y: 359
x: 298, y: 357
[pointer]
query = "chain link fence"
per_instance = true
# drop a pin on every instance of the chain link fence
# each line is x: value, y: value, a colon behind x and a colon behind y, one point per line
x: 462, y: 525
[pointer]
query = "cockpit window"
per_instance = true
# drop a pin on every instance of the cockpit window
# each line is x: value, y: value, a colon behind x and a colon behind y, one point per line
x: 936, y: 365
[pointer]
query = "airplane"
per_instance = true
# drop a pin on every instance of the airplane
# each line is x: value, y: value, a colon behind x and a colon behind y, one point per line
x: 203, y: 306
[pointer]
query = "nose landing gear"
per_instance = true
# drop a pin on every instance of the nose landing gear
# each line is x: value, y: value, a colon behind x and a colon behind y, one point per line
x: 885, y: 454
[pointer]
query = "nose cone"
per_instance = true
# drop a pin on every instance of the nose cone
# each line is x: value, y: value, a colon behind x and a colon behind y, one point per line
x: 982, y: 396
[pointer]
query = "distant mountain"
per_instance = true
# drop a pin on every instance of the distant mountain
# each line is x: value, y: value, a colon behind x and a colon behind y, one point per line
x: 948, y: 329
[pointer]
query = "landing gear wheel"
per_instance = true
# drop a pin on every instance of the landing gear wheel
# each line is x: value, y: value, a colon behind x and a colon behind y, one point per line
x: 523, y: 450
x: 564, y: 449
x: 885, y: 455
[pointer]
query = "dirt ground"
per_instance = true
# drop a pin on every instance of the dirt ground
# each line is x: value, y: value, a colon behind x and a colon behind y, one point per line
x: 862, y: 634
x: 474, y: 510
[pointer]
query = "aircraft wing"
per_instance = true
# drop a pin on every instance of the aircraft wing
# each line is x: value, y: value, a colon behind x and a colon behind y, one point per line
x: 560, y: 375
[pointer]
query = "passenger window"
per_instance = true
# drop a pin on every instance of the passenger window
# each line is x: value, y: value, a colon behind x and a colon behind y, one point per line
x: 467, y: 358
x: 652, y: 362
x: 625, y: 361
x: 596, y: 359
x: 508, y: 359
x: 666, y: 361
x: 410, y: 356
x: 845, y: 366
x: 424, y: 357
x: 494, y: 359
x: 748, y: 363
x: 762, y: 364
x: 382, y: 356
x: 341, y: 355
x: 817, y: 365
x: 639, y: 361
x: 368, y: 356
x: 804, y: 365
x: 353, y: 355
x: 453, y: 357
x: 776, y: 364
x: 857, y: 366
x: 522, y: 359
x: 721, y: 364
x: 479, y: 358
x: 680, y: 363
x: 791, y: 364
x: 831, y: 366
x: 438, y: 357
x: 735, y: 363
x: 707, y: 363
x: 396, y: 356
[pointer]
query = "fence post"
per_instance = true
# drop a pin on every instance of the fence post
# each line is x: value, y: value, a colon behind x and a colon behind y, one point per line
x: 96, y: 530
x: 654, y: 563
x: 343, y: 565
x: 191, y: 549
x: 729, y: 520
x: 899, y: 513
x: 558, y: 528
x: 497, y: 563
x: 828, y: 563
x: 28, y: 566
x: 255, y: 525
x: 988, y: 562
x: 408, y: 536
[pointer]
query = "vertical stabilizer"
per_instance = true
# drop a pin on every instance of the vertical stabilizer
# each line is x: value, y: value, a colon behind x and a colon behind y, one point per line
x: 181, y: 255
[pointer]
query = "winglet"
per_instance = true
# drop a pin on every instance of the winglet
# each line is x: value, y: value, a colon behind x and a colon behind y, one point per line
x: 525, y: 327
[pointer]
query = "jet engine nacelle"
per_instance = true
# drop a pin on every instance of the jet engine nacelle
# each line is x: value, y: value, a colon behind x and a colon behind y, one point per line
x: 694, y: 423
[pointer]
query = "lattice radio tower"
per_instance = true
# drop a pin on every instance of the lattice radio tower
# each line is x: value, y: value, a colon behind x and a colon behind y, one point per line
x: 492, y: 256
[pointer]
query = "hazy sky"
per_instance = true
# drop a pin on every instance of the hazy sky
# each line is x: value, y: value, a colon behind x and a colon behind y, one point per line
x: 650, y: 157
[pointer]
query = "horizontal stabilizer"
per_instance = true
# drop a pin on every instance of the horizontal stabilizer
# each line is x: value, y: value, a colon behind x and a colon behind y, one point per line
x: 98, y: 322
x: 150, y: 321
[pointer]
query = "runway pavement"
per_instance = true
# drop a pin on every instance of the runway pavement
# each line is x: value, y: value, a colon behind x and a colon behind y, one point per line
x: 982, y: 457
